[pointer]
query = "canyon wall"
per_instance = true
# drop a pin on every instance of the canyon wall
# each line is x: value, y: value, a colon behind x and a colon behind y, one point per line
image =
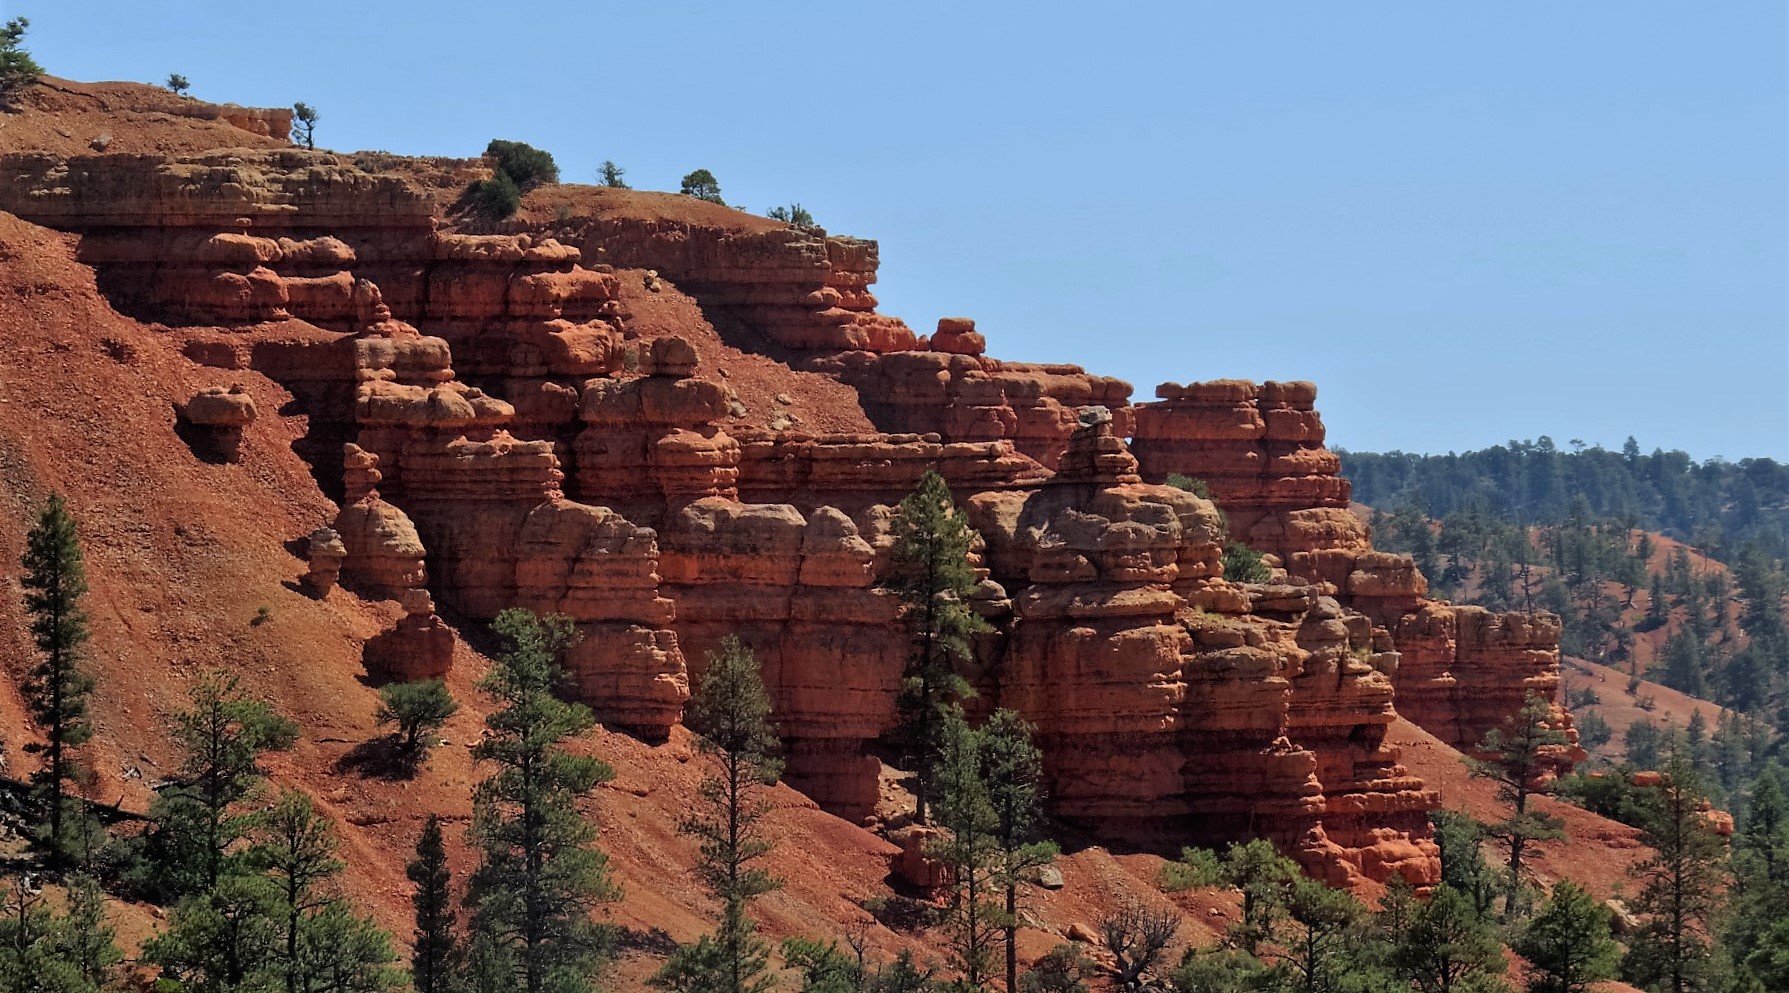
x: 498, y: 433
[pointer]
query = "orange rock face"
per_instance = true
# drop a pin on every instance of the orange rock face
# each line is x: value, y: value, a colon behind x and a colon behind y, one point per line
x: 497, y: 435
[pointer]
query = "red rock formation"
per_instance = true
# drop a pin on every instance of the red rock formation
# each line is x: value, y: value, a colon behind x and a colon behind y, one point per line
x: 219, y: 415
x: 477, y: 378
x: 967, y: 397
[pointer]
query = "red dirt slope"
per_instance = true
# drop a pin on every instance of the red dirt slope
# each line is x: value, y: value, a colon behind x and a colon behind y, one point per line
x: 1596, y: 852
x: 64, y: 117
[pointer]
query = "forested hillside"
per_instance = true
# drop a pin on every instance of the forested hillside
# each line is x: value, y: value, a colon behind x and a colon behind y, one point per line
x: 1662, y: 567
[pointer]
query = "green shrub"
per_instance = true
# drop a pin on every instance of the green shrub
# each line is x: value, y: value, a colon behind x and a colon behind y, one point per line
x: 525, y: 165
x: 1243, y: 564
x: 495, y: 198
x: 610, y: 174
x: 794, y: 215
x: 1194, y: 486
x: 177, y: 83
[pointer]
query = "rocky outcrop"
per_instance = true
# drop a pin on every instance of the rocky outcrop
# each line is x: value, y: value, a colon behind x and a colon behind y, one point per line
x: 419, y: 646
x: 805, y: 291
x: 498, y: 435
x: 970, y: 398
x: 218, y: 416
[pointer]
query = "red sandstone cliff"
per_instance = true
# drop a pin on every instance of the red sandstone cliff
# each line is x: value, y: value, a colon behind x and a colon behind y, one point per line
x: 673, y: 422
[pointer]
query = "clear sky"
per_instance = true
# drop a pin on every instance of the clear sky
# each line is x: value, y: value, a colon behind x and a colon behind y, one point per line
x: 1467, y: 222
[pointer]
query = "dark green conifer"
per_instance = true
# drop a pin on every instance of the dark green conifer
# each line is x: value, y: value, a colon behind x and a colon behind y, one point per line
x: 57, y: 686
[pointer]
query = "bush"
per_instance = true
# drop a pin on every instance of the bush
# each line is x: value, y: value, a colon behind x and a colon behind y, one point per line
x: 1612, y: 795
x: 1190, y: 484
x: 794, y: 215
x: 610, y: 174
x: 518, y: 168
x: 417, y: 710
x: 525, y: 165
x: 702, y: 185
x: 17, y: 69
x: 1243, y: 564
x: 177, y: 83
x: 1593, y: 731
x: 495, y: 198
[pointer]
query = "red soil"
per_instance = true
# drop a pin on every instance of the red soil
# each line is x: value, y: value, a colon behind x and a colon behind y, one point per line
x: 813, y: 402
x: 546, y: 203
x: 63, y: 117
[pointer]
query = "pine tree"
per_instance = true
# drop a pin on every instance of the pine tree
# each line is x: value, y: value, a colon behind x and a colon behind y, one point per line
x: 218, y: 941
x: 222, y: 736
x: 1568, y: 943
x: 56, y: 690
x: 540, y: 876
x: 930, y: 572
x: 1013, y: 769
x: 17, y: 68
x: 1448, y: 947
x: 416, y: 711
x: 730, y: 710
x: 82, y: 937
x: 1264, y: 876
x: 968, y: 849
x: 297, y: 846
x: 1320, y: 922
x: 30, y: 961
x: 1517, y: 755
x: 434, y: 952
x: 1681, y: 887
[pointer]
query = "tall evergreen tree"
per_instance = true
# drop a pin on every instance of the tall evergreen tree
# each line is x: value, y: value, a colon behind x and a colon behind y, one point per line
x: 1320, y: 924
x: 968, y: 849
x: 730, y: 710
x: 540, y: 875
x: 433, y: 958
x: 1264, y: 876
x: 222, y: 736
x: 930, y: 572
x: 56, y: 690
x: 30, y: 959
x: 1568, y: 943
x: 1681, y: 885
x: 83, y: 937
x: 1516, y: 757
x: 1013, y: 769
x: 296, y: 844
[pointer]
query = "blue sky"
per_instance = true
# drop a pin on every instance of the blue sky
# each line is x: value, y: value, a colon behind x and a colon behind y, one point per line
x: 1466, y: 222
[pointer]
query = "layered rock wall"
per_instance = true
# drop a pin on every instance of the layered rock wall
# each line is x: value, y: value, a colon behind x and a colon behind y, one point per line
x: 498, y: 436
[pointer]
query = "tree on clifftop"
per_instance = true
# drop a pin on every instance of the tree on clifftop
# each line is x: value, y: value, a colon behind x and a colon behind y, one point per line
x: 929, y: 570
x: 17, y: 69
x: 56, y: 689
x: 610, y: 174
x: 1517, y: 755
x: 304, y: 125
x: 177, y: 83
x: 540, y: 875
x: 702, y: 185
